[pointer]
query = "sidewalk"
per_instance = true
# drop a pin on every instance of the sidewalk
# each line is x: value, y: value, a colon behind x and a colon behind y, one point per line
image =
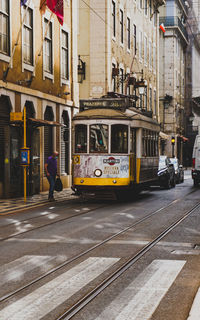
x: 8, y: 205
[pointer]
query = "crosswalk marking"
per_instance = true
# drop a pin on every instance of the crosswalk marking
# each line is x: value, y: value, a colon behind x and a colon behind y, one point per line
x: 16, y: 269
x: 141, y: 298
x: 195, y: 310
x: 44, y: 299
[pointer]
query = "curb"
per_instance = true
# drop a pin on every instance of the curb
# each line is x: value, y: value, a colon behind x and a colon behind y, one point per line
x: 39, y: 203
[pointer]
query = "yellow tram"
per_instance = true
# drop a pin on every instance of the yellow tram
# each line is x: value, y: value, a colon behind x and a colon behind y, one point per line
x: 115, y: 148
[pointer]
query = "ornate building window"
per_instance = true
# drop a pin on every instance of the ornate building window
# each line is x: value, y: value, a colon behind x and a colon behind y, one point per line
x: 4, y: 27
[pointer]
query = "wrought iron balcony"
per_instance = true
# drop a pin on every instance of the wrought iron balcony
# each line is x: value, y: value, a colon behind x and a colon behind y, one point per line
x: 174, y: 22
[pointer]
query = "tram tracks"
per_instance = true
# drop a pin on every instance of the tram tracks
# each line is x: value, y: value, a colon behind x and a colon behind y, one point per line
x: 25, y: 221
x: 123, y: 268
x: 16, y: 234
x: 68, y: 314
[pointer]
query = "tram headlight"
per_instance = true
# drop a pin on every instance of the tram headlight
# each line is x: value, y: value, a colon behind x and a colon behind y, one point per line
x: 98, y: 173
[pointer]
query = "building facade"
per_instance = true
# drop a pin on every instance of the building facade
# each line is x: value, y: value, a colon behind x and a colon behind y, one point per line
x: 118, y: 42
x: 38, y: 70
x: 173, y: 44
x: 192, y: 109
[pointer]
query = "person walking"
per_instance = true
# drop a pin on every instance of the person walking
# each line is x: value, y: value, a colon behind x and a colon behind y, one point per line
x: 51, y: 172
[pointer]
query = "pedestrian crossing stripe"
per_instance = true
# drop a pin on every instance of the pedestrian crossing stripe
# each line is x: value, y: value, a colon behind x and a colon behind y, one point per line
x: 15, y: 270
x: 141, y: 298
x: 195, y: 310
x: 49, y: 296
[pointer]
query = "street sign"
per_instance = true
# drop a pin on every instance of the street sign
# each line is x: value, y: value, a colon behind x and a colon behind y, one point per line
x: 25, y: 156
x: 16, y: 116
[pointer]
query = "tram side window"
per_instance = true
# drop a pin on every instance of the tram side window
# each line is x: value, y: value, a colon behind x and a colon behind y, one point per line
x: 99, y: 138
x: 80, y: 138
x: 150, y: 143
x: 119, y: 138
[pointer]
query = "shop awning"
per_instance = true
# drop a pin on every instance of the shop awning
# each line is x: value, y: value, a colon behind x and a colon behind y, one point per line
x: 42, y: 123
x: 37, y: 123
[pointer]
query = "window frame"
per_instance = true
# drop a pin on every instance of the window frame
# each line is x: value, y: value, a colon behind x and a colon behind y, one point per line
x: 145, y: 49
x: 65, y: 81
x: 114, y: 80
x: 3, y: 55
x: 127, y: 140
x: 26, y: 65
x: 114, y: 19
x: 47, y: 74
x: 150, y: 98
x: 140, y: 45
x: 121, y: 22
x: 128, y: 21
x: 100, y: 151
x: 74, y: 145
x: 134, y: 39
x: 121, y: 74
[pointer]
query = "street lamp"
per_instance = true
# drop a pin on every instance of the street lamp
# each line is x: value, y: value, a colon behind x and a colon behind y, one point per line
x: 141, y: 85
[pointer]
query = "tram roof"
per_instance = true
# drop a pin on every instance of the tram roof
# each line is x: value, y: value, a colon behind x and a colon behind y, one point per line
x: 101, y: 113
x: 111, y: 113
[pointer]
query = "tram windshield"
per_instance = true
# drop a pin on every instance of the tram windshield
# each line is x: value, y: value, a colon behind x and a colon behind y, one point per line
x: 119, y: 138
x: 80, y: 138
x: 98, y: 138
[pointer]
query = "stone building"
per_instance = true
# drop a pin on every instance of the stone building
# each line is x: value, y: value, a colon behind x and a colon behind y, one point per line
x: 38, y: 69
x: 173, y: 44
x: 118, y: 45
x: 192, y: 106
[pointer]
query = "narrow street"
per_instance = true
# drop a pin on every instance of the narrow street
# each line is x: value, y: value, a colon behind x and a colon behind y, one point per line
x: 53, y: 256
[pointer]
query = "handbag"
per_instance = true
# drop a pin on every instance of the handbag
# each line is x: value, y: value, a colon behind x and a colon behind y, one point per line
x: 58, y: 185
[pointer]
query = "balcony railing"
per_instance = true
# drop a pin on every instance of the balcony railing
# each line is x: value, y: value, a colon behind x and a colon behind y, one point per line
x: 174, y: 22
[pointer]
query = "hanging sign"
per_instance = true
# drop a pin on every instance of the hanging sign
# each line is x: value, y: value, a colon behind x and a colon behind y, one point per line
x: 16, y: 116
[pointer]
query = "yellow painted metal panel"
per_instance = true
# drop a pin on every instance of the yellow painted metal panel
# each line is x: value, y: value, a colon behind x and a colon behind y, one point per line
x: 101, y: 181
x: 138, y: 170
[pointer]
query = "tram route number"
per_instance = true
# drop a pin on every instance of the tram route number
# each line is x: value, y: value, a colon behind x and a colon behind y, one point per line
x: 111, y: 170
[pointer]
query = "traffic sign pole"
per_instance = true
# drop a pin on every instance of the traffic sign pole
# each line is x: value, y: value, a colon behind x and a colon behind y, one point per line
x: 24, y: 147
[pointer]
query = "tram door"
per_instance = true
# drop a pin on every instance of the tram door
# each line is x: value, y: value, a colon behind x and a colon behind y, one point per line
x: 133, y: 153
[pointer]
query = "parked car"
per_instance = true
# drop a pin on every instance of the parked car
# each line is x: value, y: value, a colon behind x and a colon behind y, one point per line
x: 179, y: 172
x: 196, y: 161
x: 166, y: 173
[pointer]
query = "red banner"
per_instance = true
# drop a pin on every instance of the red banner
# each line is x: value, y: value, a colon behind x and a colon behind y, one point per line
x: 56, y: 6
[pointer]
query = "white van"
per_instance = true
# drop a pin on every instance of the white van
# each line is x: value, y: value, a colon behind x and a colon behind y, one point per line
x: 196, y: 161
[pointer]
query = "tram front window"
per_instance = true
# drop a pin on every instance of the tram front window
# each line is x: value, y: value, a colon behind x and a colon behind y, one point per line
x: 99, y: 138
x: 80, y: 138
x: 119, y: 138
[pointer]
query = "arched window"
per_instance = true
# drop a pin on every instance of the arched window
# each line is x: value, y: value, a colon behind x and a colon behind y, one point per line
x: 48, y: 134
x: 30, y: 110
x: 65, y: 143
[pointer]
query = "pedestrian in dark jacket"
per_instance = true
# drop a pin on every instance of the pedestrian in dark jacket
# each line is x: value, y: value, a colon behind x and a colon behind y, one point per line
x: 51, y: 172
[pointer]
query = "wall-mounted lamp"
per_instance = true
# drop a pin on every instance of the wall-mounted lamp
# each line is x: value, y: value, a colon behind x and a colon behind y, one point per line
x: 141, y: 85
x: 81, y: 70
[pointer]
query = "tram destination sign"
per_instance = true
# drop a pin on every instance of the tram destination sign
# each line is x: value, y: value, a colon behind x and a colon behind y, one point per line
x: 116, y: 103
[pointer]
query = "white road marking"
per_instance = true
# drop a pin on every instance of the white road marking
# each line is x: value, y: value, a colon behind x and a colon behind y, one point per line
x: 44, y: 299
x: 195, y: 310
x: 188, y: 252
x: 15, y: 270
x: 145, y: 242
x: 141, y: 298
